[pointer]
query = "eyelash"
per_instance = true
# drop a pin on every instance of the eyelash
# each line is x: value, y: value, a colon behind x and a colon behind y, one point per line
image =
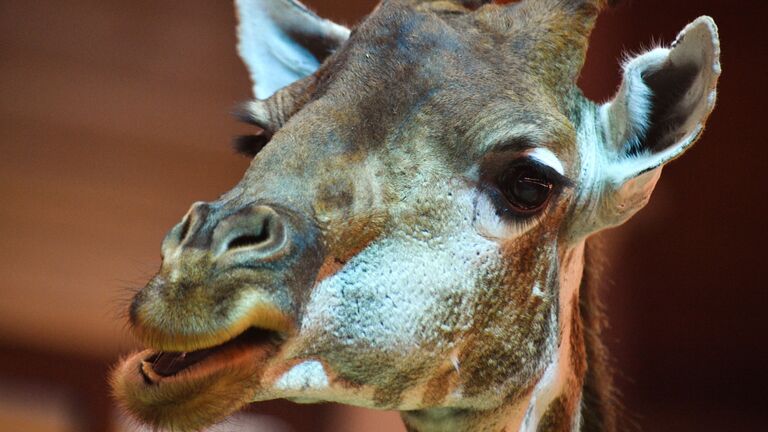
x: 250, y: 145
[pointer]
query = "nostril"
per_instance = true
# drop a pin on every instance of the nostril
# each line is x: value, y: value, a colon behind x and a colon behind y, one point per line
x: 193, y: 221
x: 251, y: 238
x: 247, y: 240
x: 251, y: 233
x: 184, y: 229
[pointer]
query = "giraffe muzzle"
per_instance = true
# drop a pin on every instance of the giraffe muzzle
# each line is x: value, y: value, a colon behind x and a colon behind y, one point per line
x: 225, y: 303
x: 227, y: 268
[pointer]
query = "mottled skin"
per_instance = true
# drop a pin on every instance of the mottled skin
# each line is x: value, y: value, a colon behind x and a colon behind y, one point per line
x: 372, y: 235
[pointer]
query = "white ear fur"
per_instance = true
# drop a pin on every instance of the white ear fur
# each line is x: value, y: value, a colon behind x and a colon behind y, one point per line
x: 628, y: 114
x: 629, y: 117
x: 658, y: 113
x: 281, y: 41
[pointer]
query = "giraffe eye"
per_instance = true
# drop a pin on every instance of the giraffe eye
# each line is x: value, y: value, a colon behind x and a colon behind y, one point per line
x: 526, y: 187
x: 520, y: 187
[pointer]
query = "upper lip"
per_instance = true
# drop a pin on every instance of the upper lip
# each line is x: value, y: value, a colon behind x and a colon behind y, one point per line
x: 180, y: 338
x: 174, y: 351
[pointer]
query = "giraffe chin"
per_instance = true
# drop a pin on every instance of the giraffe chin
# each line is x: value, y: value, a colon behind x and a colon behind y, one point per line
x: 197, y: 395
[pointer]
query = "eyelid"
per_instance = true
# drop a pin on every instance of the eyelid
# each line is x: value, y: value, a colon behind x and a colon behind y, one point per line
x: 560, y: 180
x: 547, y: 157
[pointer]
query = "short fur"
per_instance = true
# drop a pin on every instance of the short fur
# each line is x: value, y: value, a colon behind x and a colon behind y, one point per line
x: 412, y: 233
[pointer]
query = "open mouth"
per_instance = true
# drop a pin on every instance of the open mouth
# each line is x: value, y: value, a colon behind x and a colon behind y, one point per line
x: 162, y: 365
x: 194, y: 389
x: 189, y: 381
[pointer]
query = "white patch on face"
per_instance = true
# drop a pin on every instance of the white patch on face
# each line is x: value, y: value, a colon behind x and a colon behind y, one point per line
x: 488, y: 222
x: 546, y: 157
x: 309, y: 375
x: 388, y: 297
x: 387, y: 304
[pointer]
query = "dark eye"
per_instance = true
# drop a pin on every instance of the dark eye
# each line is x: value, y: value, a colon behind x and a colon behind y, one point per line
x: 526, y: 187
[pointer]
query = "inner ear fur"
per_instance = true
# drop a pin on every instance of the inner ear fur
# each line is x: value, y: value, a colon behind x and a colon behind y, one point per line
x: 665, y: 98
x: 281, y: 42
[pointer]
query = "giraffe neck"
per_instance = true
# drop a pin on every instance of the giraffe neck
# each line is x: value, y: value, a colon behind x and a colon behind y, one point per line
x: 554, y: 403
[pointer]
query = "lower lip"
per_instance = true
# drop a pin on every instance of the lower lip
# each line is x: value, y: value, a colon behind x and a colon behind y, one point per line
x: 224, y: 379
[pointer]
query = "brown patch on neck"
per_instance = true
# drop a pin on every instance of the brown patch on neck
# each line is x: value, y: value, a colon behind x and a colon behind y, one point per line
x: 599, y: 400
x: 557, y: 417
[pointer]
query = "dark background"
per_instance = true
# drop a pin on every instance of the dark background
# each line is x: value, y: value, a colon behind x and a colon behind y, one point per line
x: 114, y: 120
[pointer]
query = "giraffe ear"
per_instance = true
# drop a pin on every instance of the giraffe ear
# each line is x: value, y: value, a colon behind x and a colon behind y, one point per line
x: 281, y: 41
x: 658, y: 113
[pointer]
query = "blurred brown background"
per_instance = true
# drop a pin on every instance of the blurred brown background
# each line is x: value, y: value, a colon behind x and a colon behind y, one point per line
x: 115, y: 119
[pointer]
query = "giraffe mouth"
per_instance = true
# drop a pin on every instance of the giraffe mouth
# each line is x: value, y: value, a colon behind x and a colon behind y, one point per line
x: 161, y: 365
x: 194, y: 389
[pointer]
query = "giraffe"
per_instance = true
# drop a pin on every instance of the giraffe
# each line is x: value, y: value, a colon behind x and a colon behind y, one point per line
x: 412, y: 231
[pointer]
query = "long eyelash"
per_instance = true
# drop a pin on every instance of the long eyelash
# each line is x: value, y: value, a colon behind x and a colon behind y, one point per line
x: 250, y: 145
x: 558, y: 180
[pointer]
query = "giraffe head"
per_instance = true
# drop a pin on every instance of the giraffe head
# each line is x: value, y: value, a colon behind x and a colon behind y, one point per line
x: 409, y: 234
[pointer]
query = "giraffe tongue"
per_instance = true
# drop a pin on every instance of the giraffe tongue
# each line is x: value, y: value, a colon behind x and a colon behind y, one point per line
x: 166, y: 364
